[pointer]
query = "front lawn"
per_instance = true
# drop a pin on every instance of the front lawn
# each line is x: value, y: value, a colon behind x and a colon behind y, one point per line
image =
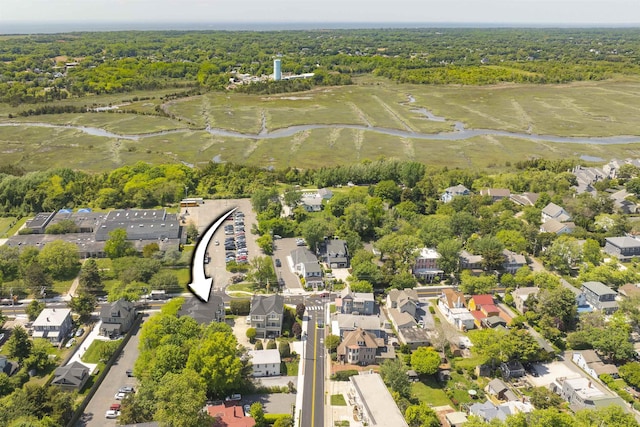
x: 291, y: 368
x: 431, y: 392
x: 93, y: 353
x: 338, y: 400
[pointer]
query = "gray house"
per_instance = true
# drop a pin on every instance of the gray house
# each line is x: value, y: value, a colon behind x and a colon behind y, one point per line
x: 117, y: 318
x: 71, y: 377
x: 336, y: 254
x: 624, y: 248
x: 356, y: 303
x: 306, y: 265
x: 267, y: 313
x: 212, y: 311
x: 600, y: 297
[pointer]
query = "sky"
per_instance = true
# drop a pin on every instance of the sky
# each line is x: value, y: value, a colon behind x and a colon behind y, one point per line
x: 467, y: 12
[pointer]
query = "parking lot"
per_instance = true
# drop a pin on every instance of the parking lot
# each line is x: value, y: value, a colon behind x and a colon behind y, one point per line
x: 204, y: 215
x: 94, y: 413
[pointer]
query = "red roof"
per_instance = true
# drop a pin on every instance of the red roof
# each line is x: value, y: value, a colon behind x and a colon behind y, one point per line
x: 480, y: 300
x: 232, y: 416
x: 490, y: 310
x: 478, y: 315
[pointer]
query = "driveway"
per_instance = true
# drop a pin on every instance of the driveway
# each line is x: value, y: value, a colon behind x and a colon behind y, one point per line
x: 273, y: 403
x: 93, y: 415
x: 282, y: 251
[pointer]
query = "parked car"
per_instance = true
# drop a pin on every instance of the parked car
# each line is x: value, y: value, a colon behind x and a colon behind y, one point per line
x: 112, y: 414
x: 70, y: 343
x: 130, y: 372
x: 300, y: 242
x: 126, y: 389
x: 119, y: 395
x: 233, y: 397
x: 115, y: 407
x: 247, y: 410
x: 216, y: 243
x: 79, y: 332
x: 278, y: 263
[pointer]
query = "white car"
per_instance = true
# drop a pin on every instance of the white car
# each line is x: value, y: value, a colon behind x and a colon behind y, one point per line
x: 112, y: 414
x: 70, y: 343
x: 120, y: 395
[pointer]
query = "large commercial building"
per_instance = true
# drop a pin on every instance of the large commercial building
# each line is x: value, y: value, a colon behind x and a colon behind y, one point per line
x: 374, y: 403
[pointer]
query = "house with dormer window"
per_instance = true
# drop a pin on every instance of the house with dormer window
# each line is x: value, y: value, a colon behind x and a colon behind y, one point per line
x: 267, y: 313
x: 117, y: 318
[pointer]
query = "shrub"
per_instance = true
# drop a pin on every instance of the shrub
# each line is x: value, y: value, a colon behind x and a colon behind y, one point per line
x: 271, y: 345
x: 344, y: 375
x: 251, y: 334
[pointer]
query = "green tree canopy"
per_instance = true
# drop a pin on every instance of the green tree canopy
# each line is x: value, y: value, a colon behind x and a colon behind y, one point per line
x: 425, y: 360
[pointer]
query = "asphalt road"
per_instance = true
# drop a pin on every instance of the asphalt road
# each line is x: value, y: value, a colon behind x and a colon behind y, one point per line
x: 313, y: 390
x: 282, y: 251
x: 93, y: 415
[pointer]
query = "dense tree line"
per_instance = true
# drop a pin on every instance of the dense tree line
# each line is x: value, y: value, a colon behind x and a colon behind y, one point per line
x: 112, y: 62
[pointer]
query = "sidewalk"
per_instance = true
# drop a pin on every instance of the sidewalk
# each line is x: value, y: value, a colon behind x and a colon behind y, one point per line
x: 93, y: 335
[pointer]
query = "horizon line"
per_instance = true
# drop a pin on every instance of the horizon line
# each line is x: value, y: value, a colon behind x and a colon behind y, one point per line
x: 52, y: 27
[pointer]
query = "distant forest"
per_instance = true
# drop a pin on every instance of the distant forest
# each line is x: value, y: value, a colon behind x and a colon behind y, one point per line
x: 32, y: 67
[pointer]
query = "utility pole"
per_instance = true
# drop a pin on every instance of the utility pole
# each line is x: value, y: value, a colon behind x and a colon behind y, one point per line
x: 13, y: 302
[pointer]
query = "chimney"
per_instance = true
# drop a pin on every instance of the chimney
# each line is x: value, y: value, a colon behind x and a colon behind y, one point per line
x: 47, y: 319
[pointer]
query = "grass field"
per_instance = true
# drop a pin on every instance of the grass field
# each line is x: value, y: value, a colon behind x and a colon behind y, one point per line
x: 430, y: 392
x: 338, y: 400
x: 605, y: 108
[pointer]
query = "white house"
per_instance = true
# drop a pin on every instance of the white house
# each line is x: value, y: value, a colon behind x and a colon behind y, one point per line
x: 553, y: 211
x: 53, y: 324
x: 265, y: 363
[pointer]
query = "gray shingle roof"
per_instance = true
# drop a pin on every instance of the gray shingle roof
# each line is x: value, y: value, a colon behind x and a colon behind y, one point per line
x: 262, y: 305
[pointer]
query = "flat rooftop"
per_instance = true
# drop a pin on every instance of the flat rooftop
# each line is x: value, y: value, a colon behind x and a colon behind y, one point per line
x: 377, y: 401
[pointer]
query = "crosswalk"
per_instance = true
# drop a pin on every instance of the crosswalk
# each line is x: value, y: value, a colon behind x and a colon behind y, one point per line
x: 315, y: 308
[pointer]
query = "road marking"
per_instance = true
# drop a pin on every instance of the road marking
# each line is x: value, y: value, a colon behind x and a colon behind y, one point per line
x: 313, y: 383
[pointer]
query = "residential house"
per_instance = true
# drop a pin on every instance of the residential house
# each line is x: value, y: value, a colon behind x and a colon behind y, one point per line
x: 7, y: 366
x: 53, y: 324
x: 355, y: 303
x: 267, y: 313
x: 212, y: 311
x: 265, y: 363
x: 311, y: 202
x: 580, y: 393
x: 623, y: 201
x: 414, y: 337
x: 345, y: 323
x: 489, y: 411
x: 512, y: 369
x: 229, y: 416
x: 359, y: 347
x: 482, y: 307
x: 557, y: 227
x: 586, y: 177
x: 525, y: 199
x: 476, y: 302
x: 117, y: 318
x: 451, y: 192
x: 306, y: 265
x: 373, y: 402
x: 493, y: 322
x: 600, y: 297
x: 405, y: 300
x: 500, y: 390
x: 456, y: 418
x: 624, y: 248
x: 452, y: 305
x: 553, y: 211
x: 325, y: 193
x: 401, y: 320
x: 513, y: 261
x: 496, y: 194
x: 468, y: 261
x: 521, y: 295
x: 426, y: 265
x: 591, y: 363
x: 71, y: 377
x: 335, y: 253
